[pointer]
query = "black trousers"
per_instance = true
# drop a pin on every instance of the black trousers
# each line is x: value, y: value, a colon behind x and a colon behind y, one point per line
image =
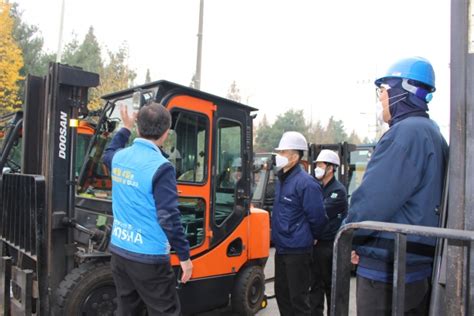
x: 139, y: 284
x: 375, y: 298
x: 292, y: 281
x: 321, y: 273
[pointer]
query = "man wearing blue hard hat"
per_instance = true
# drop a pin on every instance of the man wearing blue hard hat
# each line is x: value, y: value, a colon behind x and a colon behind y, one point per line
x: 403, y: 184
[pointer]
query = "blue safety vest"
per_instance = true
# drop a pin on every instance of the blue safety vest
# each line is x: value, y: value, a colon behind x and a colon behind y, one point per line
x: 136, y: 227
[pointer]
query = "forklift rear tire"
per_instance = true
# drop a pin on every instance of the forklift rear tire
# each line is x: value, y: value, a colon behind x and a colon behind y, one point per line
x: 249, y: 291
x: 87, y: 290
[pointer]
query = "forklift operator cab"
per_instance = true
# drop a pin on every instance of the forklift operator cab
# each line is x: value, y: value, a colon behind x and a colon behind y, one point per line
x: 229, y: 241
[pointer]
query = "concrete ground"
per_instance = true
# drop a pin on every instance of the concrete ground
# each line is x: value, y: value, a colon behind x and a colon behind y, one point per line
x: 272, y: 308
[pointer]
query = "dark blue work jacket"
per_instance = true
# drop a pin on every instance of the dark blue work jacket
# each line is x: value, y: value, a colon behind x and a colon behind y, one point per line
x: 335, y: 204
x: 298, y: 215
x: 403, y: 184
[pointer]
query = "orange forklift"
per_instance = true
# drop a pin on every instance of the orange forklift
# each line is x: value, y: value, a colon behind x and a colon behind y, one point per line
x: 56, y: 215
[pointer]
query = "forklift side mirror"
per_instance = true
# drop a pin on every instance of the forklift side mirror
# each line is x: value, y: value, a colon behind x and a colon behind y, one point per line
x: 136, y: 100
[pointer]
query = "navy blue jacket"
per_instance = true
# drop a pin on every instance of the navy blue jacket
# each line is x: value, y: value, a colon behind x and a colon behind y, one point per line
x: 403, y: 184
x: 298, y: 215
x: 335, y: 204
x: 165, y: 200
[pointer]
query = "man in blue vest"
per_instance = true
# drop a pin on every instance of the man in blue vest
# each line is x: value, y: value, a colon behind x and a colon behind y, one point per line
x: 147, y: 222
x: 403, y: 184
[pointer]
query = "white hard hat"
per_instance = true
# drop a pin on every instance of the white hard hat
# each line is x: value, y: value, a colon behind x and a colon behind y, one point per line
x: 292, y: 140
x: 329, y: 156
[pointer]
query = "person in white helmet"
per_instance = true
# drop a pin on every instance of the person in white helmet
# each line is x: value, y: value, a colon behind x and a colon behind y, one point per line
x: 298, y: 218
x: 335, y: 204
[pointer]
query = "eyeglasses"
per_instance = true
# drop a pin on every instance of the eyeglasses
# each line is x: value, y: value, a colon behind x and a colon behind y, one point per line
x: 381, y: 89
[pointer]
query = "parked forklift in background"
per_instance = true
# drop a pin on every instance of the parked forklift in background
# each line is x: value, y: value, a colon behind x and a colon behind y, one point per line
x: 56, y: 215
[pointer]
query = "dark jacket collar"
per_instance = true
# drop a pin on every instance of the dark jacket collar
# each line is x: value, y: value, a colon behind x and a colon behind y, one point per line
x: 333, y: 178
x: 282, y: 176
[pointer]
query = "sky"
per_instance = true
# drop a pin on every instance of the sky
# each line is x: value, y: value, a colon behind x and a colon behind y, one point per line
x: 312, y: 55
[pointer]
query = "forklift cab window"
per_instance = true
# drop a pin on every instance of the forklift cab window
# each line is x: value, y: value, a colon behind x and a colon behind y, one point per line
x: 81, y: 150
x: 94, y: 181
x: 13, y: 162
x: 259, y: 172
x: 358, y: 164
x: 186, y: 146
x: 229, y: 168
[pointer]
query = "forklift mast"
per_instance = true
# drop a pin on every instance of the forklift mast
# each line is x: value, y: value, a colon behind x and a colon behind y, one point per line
x: 35, y: 208
x: 65, y: 99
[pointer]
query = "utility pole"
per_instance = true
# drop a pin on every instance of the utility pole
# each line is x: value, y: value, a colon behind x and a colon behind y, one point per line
x: 60, y: 38
x: 197, y: 75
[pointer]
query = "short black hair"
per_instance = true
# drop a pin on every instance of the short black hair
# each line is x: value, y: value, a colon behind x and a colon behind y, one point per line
x: 153, y: 121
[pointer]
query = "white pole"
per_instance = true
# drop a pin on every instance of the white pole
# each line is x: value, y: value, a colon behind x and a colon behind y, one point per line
x: 60, y: 38
x: 197, y: 75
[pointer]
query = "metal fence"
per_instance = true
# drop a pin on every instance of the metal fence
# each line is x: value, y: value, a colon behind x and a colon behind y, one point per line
x: 342, y: 256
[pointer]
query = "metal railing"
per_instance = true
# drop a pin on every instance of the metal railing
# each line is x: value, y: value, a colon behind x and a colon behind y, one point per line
x: 341, y: 272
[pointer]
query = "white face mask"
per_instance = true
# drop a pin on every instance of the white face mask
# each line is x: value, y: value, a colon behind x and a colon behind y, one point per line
x: 379, y: 111
x: 319, y: 173
x: 379, y: 106
x: 281, y: 161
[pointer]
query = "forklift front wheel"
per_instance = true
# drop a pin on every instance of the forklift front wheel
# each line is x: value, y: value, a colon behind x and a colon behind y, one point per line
x: 249, y: 291
x: 87, y: 290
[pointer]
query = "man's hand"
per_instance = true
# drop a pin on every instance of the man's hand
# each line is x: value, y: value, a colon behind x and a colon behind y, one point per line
x: 127, y: 120
x: 315, y: 242
x: 354, y: 257
x: 187, y: 267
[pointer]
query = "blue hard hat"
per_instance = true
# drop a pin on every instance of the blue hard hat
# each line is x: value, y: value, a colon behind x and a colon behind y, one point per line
x: 413, y: 68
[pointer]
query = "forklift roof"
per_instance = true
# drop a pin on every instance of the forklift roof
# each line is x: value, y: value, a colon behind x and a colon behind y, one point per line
x: 164, y: 89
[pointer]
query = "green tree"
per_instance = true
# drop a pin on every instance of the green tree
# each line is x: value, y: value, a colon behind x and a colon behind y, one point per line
x: 335, y: 132
x: 291, y: 120
x: 316, y: 133
x: 262, y: 136
x: 86, y: 55
x: 354, y: 138
x: 35, y: 60
x: 234, y: 92
x: 366, y: 140
x: 11, y: 62
x: 268, y: 137
x: 115, y: 75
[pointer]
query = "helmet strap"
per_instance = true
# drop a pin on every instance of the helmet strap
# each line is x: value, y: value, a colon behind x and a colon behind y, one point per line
x: 419, y: 92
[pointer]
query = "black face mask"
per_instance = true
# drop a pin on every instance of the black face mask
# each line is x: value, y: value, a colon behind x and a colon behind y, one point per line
x: 404, y: 104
